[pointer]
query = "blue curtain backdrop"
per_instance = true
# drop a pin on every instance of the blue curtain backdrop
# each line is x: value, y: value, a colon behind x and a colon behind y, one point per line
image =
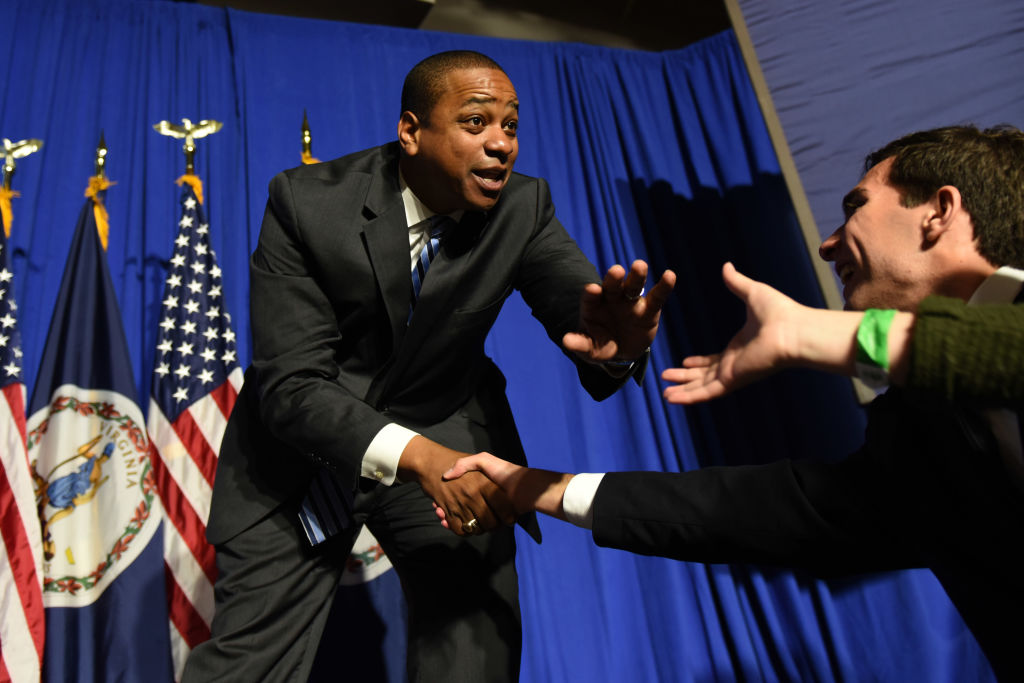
x: 657, y: 156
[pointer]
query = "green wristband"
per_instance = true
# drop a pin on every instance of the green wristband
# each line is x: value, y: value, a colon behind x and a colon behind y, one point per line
x: 873, y: 347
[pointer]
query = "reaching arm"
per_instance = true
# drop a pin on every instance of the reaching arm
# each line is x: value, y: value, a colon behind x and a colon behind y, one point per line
x: 781, y: 333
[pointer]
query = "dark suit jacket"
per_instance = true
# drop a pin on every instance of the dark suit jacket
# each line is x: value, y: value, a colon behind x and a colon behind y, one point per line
x: 333, y: 358
x: 929, y: 488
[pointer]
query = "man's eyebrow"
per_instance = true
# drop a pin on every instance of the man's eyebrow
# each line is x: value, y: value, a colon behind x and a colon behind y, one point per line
x: 484, y: 99
x: 855, y: 195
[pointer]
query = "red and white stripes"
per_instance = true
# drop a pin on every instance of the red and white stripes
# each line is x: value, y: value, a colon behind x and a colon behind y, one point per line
x: 184, y: 456
x: 22, y: 626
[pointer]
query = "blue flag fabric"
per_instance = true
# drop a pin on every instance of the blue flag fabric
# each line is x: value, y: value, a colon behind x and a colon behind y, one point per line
x: 103, y: 574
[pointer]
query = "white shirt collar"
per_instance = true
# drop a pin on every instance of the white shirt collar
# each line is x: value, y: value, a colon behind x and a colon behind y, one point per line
x: 1001, y: 287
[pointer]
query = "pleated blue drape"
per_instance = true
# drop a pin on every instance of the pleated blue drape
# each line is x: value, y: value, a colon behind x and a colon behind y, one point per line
x: 657, y: 156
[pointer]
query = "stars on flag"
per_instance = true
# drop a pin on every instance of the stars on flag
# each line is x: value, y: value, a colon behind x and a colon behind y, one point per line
x: 10, y: 337
x: 196, y: 348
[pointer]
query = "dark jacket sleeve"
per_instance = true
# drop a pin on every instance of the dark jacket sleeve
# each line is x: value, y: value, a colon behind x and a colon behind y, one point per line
x: 768, y: 514
x: 295, y: 344
x: 551, y: 278
x: 907, y: 491
x: 968, y: 352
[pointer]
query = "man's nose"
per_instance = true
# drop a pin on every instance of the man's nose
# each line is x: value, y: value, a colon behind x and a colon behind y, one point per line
x: 498, y: 143
x: 827, y: 250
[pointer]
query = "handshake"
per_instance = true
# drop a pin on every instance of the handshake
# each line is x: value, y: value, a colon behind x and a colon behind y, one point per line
x: 510, y: 490
x: 474, y: 494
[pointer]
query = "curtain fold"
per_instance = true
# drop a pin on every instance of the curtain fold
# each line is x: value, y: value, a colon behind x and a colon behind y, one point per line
x: 663, y: 157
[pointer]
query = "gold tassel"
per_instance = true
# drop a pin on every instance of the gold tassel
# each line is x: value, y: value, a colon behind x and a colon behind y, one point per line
x: 195, y: 182
x: 308, y: 158
x: 98, y: 184
x: 5, y: 208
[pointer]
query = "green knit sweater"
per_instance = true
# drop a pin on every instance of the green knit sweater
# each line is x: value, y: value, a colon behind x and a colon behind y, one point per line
x: 966, y: 352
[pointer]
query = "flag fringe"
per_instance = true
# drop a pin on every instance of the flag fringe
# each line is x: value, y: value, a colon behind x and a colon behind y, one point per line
x: 5, y: 208
x: 99, y: 184
x: 194, y: 181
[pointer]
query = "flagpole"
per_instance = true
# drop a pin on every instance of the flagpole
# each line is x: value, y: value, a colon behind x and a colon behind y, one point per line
x: 22, y: 621
x: 192, y: 395
x: 103, y: 578
x: 95, y: 191
x: 307, y: 142
x: 101, y: 157
x: 9, y: 167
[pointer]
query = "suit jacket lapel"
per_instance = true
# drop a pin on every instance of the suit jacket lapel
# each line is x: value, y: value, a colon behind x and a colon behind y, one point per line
x: 387, y: 244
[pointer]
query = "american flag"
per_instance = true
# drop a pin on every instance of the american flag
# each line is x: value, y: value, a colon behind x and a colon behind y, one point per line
x: 195, y: 383
x: 22, y: 629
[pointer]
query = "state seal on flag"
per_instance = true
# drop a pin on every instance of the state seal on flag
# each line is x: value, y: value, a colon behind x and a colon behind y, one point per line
x: 366, y: 561
x: 95, y: 491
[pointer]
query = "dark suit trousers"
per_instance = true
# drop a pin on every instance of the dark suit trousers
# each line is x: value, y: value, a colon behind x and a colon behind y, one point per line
x: 275, y: 592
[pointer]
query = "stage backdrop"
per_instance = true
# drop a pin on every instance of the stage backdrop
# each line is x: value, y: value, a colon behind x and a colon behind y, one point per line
x: 846, y: 77
x: 656, y: 156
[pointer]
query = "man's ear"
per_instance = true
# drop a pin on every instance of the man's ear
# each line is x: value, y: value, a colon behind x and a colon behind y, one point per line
x: 409, y: 133
x: 945, y: 211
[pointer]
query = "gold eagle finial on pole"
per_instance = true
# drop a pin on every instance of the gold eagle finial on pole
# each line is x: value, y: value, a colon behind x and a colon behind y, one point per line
x: 17, y: 150
x: 12, y: 151
x: 191, y: 132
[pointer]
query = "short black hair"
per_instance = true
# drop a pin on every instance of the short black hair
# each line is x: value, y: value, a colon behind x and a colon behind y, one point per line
x: 425, y: 82
x: 986, y: 166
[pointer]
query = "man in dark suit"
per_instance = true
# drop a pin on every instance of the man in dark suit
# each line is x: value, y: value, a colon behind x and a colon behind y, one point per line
x: 369, y: 380
x: 939, y: 481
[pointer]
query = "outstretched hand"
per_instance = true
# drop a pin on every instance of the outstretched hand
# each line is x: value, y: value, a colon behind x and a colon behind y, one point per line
x: 617, y: 322
x: 757, y: 350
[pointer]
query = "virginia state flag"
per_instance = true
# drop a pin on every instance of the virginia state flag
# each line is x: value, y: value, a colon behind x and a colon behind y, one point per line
x: 103, y: 575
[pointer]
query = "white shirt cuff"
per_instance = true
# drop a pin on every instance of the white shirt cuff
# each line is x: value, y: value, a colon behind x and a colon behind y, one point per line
x: 578, y: 499
x: 380, y: 461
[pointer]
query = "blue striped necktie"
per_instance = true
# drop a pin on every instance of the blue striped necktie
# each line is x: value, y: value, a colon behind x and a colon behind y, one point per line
x: 438, y: 224
x: 326, y: 508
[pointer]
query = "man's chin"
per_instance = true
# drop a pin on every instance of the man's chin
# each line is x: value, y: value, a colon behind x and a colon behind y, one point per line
x: 482, y: 202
